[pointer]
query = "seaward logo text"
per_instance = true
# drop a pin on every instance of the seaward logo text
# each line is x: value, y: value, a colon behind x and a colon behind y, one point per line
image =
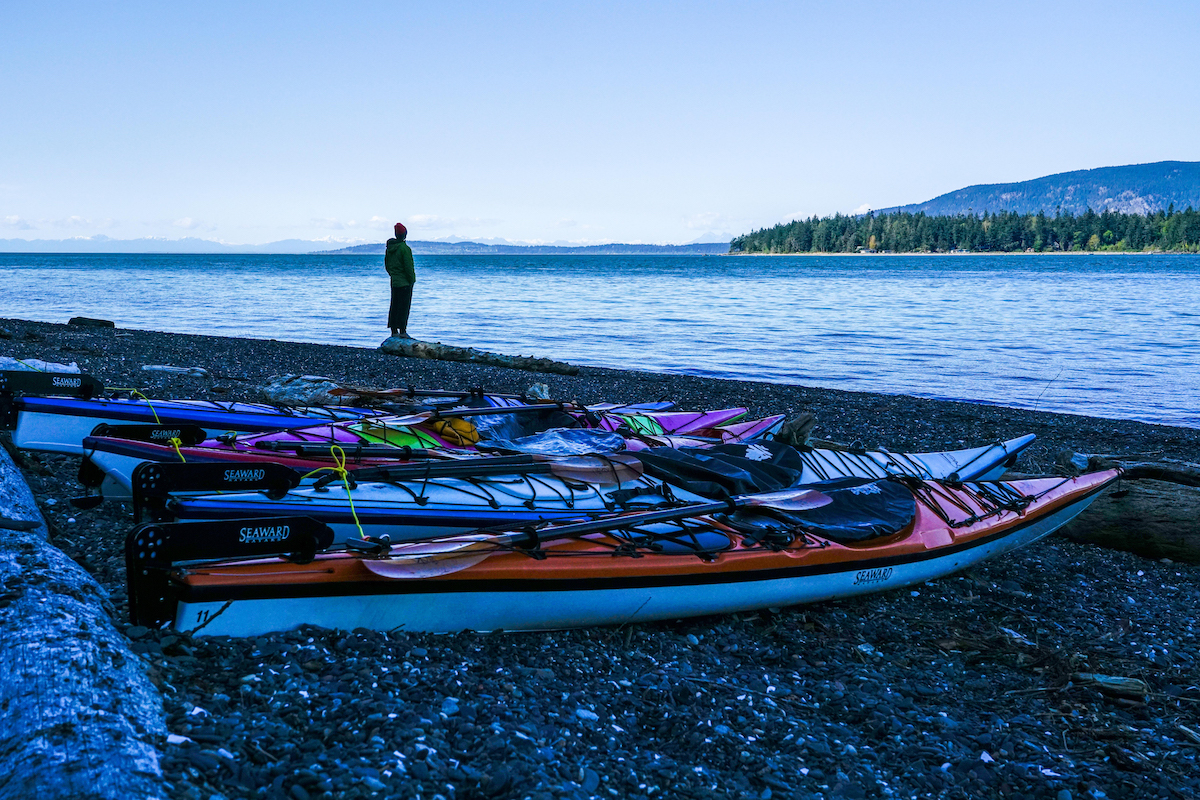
x: 275, y: 533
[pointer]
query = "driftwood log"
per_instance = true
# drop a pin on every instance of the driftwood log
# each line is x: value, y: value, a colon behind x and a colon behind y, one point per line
x: 1154, y: 511
x: 412, y: 348
x: 78, y: 716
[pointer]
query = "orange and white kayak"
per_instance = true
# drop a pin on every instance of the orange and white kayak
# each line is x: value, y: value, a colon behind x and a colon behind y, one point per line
x: 863, y: 536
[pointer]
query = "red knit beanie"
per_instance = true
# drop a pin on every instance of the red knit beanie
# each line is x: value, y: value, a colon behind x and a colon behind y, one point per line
x: 401, y: 231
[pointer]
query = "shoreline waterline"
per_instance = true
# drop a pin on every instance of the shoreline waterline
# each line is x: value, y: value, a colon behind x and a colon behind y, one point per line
x: 1114, y: 338
x: 679, y: 372
x: 907, y: 420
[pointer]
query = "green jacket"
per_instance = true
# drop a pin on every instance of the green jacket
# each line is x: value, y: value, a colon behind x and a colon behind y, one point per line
x: 398, y: 261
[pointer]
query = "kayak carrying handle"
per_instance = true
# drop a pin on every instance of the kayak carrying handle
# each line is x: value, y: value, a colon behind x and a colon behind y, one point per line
x: 58, y: 384
x: 152, y: 551
x: 154, y: 482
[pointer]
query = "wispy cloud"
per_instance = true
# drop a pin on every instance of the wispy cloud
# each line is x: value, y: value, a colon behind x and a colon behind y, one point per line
x: 74, y: 222
x: 706, y: 221
x: 335, y: 224
x: 71, y: 222
x: 187, y: 223
x: 864, y: 208
x: 573, y: 224
x: 432, y: 222
x: 20, y: 223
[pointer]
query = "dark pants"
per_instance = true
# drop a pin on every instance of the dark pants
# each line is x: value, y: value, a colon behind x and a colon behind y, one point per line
x: 398, y: 312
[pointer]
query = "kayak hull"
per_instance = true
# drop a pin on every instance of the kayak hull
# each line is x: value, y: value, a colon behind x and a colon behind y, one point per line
x: 118, y: 458
x: 60, y: 424
x: 500, y: 596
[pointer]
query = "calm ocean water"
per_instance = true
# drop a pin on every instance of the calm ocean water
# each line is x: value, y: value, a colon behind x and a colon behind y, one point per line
x: 1109, y: 336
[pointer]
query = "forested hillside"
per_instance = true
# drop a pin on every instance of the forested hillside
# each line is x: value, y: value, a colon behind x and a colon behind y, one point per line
x: 903, y: 232
x: 1131, y: 189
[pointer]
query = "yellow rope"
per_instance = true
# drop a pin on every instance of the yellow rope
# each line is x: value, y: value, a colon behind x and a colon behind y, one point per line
x: 175, y: 442
x: 31, y: 366
x: 137, y: 393
x: 339, y: 469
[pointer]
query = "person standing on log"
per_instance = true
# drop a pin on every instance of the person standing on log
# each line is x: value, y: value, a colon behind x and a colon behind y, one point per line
x: 398, y: 261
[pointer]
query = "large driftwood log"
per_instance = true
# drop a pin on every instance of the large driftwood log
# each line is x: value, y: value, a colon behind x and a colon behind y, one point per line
x: 413, y: 348
x: 78, y: 716
x: 1132, y: 469
x: 1151, y: 518
x: 1153, y: 511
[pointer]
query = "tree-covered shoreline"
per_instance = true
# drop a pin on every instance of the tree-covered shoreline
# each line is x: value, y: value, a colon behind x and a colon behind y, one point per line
x: 1004, y: 232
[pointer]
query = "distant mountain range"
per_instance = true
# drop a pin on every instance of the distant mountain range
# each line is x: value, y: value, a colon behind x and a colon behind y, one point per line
x: 103, y: 244
x: 475, y: 248
x: 1132, y: 189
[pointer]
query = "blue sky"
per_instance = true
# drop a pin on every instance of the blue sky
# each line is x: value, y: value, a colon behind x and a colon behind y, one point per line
x: 587, y: 122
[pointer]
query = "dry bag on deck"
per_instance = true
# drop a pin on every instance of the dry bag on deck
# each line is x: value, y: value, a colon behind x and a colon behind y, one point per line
x: 560, y: 442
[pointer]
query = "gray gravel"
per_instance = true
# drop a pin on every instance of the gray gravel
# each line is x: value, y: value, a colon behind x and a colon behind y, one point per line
x: 960, y: 688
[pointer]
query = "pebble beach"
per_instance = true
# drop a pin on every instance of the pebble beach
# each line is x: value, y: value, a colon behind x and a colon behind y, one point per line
x: 971, y: 686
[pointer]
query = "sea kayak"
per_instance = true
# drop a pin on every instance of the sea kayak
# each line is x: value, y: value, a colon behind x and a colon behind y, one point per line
x: 260, y: 576
x: 111, y: 459
x: 432, y: 499
x: 58, y: 424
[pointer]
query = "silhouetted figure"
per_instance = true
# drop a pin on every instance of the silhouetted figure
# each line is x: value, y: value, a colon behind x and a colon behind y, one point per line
x: 398, y: 261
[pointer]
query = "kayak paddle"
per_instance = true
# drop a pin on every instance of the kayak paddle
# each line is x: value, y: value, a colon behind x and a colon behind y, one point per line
x: 443, y: 556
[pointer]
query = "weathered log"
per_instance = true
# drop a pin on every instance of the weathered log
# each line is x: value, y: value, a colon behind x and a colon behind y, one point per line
x: 78, y: 716
x: 1183, y: 473
x: 89, y: 322
x: 1168, y: 471
x: 413, y: 348
x: 1151, y: 518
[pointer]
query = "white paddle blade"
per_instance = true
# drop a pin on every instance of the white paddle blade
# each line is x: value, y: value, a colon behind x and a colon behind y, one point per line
x: 432, y: 559
x: 604, y: 470
x: 790, y: 499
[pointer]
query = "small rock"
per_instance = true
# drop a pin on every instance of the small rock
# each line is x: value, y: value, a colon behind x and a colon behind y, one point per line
x: 868, y: 650
x: 591, y: 780
x: 373, y: 784
x: 590, y: 716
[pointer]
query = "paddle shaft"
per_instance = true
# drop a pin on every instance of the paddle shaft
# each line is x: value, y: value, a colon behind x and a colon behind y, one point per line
x: 644, y: 518
x: 441, y: 557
